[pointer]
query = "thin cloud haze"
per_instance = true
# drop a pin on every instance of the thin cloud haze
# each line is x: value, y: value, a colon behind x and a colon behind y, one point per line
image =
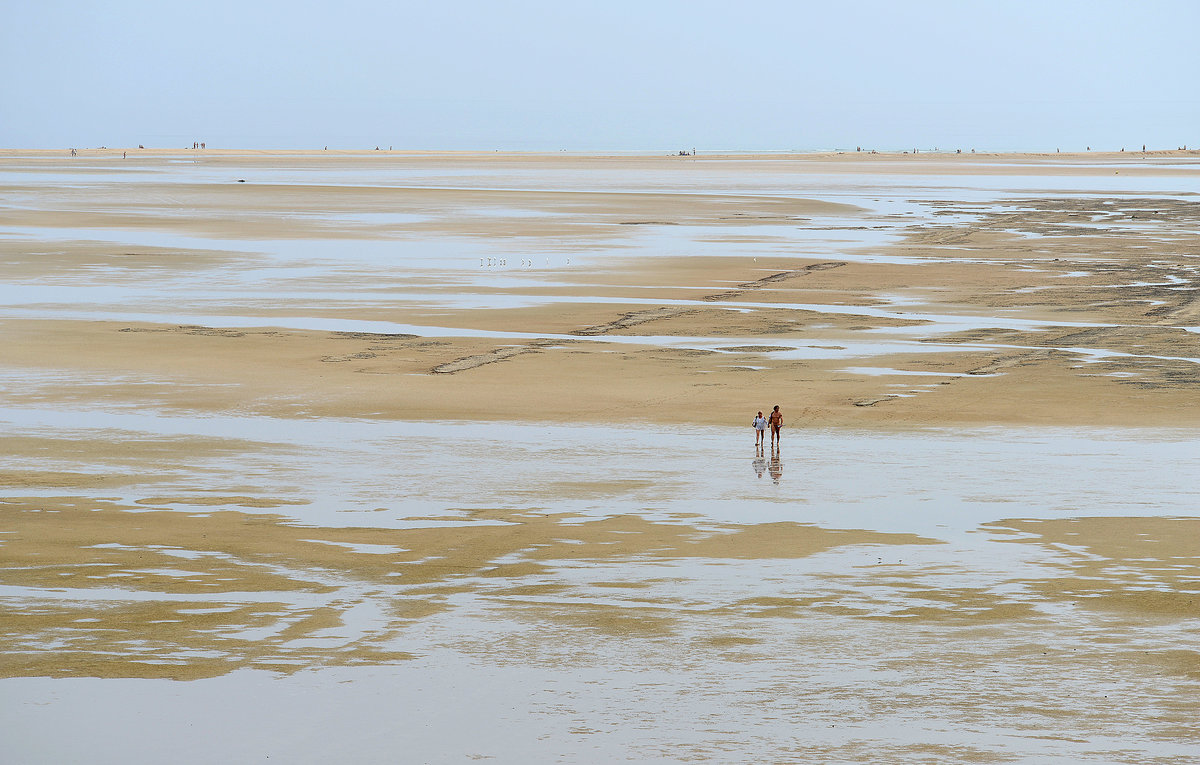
x: 592, y: 76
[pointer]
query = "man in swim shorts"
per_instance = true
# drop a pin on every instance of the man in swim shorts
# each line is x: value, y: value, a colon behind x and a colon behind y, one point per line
x: 776, y: 422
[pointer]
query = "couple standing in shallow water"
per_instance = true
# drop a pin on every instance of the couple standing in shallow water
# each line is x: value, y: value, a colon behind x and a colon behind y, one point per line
x: 774, y: 422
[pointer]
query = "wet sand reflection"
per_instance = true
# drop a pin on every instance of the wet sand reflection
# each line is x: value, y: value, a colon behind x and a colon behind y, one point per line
x: 194, y: 594
x: 173, y: 579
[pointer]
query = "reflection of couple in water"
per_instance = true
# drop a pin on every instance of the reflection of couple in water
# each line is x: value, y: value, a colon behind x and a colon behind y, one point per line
x: 774, y: 422
x: 774, y: 466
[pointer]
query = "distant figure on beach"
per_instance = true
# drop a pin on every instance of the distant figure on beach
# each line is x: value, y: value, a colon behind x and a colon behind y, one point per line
x: 776, y: 422
x: 760, y: 429
x: 202, y: 145
x: 72, y: 152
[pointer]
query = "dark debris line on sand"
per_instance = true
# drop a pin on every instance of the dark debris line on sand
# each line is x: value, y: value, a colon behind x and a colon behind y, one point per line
x: 632, y: 319
x: 779, y: 277
x: 491, y: 357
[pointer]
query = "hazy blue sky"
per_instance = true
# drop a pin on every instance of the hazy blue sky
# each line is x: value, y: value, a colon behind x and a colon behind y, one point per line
x: 614, y: 75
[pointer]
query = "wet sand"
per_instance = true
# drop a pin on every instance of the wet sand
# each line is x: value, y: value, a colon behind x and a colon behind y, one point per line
x: 395, y: 431
x: 678, y: 288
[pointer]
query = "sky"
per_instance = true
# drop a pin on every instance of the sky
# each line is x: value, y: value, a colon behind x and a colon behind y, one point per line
x: 601, y: 76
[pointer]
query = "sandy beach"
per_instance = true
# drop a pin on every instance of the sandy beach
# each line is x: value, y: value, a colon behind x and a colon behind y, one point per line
x: 682, y: 289
x: 456, y: 447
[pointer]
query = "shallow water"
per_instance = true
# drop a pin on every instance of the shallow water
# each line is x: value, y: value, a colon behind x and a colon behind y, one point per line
x: 346, y: 468
x: 549, y: 592
x: 818, y: 656
x: 320, y: 278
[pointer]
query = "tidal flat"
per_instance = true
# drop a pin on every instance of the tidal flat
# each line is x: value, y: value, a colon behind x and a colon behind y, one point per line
x: 430, y: 457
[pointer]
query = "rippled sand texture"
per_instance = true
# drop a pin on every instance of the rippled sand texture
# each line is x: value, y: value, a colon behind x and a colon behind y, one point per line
x: 382, y: 457
x: 860, y: 291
